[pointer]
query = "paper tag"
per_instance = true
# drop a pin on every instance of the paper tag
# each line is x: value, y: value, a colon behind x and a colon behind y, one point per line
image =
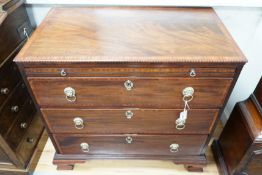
x: 183, y: 115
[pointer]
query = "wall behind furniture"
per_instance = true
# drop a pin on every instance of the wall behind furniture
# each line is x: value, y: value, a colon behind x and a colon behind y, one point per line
x: 244, y: 24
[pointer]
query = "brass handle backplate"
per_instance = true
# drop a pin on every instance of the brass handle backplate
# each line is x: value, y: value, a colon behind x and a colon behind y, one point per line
x: 84, y: 147
x: 15, y: 108
x: 70, y: 94
x: 129, y: 139
x: 23, y: 125
x: 188, y: 93
x: 129, y: 114
x: 129, y: 85
x: 4, y: 91
x: 79, y: 123
x: 174, y: 147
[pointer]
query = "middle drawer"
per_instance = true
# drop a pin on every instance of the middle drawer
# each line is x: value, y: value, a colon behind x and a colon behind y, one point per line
x: 132, y: 121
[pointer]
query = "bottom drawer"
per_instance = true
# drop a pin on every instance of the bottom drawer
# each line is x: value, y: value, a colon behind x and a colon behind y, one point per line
x: 130, y: 144
x: 29, y: 142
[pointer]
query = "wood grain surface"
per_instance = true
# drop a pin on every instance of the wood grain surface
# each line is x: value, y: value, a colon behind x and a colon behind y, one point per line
x: 120, y: 167
x: 126, y: 70
x: 148, y: 121
x: 7, y: 116
x: 239, y: 148
x: 141, y: 144
x: 131, y: 34
x: 9, y: 29
x: 155, y: 48
x: 147, y: 92
x: 8, y: 68
x: 16, y: 133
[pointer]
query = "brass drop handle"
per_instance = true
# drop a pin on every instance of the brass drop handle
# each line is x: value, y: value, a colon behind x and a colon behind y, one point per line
x: 129, y: 85
x: 70, y: 94
x: 4, y: 91
x: 15, y: 108
x: 129, y: 114
x: 129, y: 139
x: 84, y: 147
x: 174, y: 147
x: 23, y: 125
x: 180, y: 125
x: 79, y: 123
x: 188, y: 93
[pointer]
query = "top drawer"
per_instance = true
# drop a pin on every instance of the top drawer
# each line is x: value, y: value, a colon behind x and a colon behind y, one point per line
x: 115, y: 92
x: 133, y: 70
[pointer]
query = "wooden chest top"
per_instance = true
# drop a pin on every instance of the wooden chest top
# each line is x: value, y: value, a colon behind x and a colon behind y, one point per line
x: 131, y: 34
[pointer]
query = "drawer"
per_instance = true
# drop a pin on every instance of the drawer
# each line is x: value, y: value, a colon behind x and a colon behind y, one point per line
x: 120, y: 121
x: 9, y: 77
x: 12, y: 30
x: 30, y: 140
x: 11, y: 109
x: 130, y: 144
x: 254, y: 164
x: 105, y: 71
x: 21, y: 125
x: 116, y: 92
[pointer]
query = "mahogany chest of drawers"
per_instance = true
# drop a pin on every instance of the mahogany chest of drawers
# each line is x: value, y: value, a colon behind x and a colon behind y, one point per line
x: 131, y: 82
x: 20, y: 126
x: 238, y: 151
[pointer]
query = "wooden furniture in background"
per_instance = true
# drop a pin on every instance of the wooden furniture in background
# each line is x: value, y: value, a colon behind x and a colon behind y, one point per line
x: 238, y: 151
x: 20, y: 126
x: 111, y: 81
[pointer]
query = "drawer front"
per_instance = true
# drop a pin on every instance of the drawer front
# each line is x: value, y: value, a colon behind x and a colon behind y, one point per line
x: 30, y: 140
x: 116, y: 92
x: 21, y: 125
x: 11, y: 109
x: 131, y: 144
x: 9, y: 77
x: 122, y: 121
x: 130, y: 71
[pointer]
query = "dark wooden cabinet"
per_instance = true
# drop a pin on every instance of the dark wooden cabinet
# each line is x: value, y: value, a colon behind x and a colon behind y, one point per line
x: 111, y: 82
x: 238, y: 151
x: 21, y: 128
